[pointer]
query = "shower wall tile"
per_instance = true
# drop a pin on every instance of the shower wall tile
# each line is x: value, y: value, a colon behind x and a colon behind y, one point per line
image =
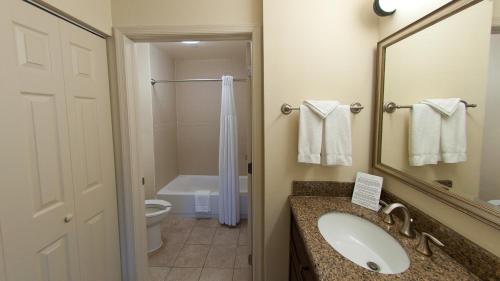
x: 164, y: 120
x: 198, y: 111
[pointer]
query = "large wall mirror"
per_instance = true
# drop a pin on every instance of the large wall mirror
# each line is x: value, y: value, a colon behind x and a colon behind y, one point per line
x: 438, y: 107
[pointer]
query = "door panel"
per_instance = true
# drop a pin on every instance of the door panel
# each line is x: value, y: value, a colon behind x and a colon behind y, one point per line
x: 35, y: 165
x: 88, y: 104
x: 93, y: 256
x: 53, y: 261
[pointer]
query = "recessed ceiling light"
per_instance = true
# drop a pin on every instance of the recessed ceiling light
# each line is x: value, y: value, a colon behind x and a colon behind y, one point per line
x: 190, y: 42
x: 384, y: 7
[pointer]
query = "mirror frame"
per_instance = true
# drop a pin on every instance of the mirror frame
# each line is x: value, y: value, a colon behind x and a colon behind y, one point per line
x: 486, y: 214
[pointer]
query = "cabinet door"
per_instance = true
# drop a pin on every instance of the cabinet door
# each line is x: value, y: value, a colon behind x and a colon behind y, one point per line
x: 88, y: 105
x: 37, y: 235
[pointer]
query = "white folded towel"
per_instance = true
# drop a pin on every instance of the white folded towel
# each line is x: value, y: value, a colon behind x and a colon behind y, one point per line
x: 338, y: 143
x: 444, y: 106
x: 325, y: 133
x: 310, y: 134
x: 322, y: 108
x: 425, y: 131
x: 454, y: 136
x: 202, y: 201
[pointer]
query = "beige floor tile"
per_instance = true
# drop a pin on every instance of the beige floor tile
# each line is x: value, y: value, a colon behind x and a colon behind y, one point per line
x: 221, y: 257
x: 173, y: 221
x: 184, y: 274
x: 158, y: 273
x: 207, y: 222
x: 201, y: 235
x: 192, y: 256
x: 242, y: 274
x: 175, y: 235
x: 243, y: 238
x: 242, y: 253
x: 166, y: 255
x: 226, y: 236
x: 216, y: 274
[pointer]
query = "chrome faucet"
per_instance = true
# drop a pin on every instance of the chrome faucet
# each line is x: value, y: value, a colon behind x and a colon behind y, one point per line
x: 423, y: 245
x: 406, y: 228
x: 388, y: 219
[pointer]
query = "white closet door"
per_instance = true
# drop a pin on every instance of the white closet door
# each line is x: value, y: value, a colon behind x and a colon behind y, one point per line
x: 36, y: 186
x: 87, y: 96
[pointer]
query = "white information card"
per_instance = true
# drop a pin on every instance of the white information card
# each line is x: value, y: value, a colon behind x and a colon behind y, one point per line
x: 367, y: 191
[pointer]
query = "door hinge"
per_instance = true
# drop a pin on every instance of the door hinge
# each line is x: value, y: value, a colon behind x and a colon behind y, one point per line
x: 143, y: 181
x: 249, y: 168
x: 250, y: 259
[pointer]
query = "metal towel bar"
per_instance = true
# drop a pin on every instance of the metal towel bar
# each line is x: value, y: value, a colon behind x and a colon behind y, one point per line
x: 391, y: 106
x: 287, y: 109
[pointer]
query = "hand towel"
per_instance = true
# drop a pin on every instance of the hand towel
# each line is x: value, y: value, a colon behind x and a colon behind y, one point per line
x: 444, y: 106
x: 202, y: 201
x: 454, y: 136
x: 310, y: 136
x: 322, y: 108
x: 337, y: 136
x: 425, y: 132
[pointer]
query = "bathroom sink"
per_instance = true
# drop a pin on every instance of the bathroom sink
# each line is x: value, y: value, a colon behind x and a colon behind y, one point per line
x: 363, y: 243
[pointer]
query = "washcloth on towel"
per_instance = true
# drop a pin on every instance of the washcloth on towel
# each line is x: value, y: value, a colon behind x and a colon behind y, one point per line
x: 321, y: 107
x: 444, y: 106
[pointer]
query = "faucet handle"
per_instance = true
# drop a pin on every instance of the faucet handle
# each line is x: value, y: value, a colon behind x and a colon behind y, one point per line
x: 388, y: 219
x: 423, y: 245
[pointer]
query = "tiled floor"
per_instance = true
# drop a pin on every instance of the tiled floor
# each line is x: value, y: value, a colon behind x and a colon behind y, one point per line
x: 201, y: 250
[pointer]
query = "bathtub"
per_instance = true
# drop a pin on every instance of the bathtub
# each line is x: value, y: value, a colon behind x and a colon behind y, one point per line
x: 180, y: 192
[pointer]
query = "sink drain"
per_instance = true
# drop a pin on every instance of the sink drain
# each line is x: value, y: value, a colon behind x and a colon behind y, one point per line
x: 373, y: 266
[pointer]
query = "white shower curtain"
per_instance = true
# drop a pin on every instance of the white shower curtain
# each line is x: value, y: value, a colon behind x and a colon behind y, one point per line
x: 229, y: 188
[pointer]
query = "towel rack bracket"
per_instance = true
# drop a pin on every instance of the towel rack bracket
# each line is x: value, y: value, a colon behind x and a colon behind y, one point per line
x: 286, y: 109
x: 390, y: 107
x: 356, y: 107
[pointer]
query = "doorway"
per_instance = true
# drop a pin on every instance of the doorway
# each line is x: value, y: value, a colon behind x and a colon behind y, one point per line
x: 131, y: 149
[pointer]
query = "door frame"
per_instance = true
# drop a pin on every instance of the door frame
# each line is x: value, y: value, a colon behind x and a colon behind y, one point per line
x: 130, y: 202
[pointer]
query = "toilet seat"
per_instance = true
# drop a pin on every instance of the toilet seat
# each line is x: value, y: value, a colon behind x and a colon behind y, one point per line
x: 495, y: 202
x: 161, y: 206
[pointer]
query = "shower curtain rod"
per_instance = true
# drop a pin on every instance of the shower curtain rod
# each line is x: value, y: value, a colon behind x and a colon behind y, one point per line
x: 154, y: 81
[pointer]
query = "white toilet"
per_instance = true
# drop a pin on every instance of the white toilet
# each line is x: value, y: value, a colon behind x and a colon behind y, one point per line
x: 495, y: 203
x: 156, y: 211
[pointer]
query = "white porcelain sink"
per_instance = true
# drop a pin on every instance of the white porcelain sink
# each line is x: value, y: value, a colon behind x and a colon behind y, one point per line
x: 363, y: 243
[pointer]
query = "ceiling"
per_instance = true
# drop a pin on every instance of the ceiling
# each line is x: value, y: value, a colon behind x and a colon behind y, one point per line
x: 204, y: 49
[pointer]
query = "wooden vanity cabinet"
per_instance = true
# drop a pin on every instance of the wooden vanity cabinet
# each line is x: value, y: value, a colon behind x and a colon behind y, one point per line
x: 300, y: 266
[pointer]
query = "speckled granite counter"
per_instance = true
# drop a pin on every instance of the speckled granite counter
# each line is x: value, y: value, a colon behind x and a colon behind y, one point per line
x: 329, y: 265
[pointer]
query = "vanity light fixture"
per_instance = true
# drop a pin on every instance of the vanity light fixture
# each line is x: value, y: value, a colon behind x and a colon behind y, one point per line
x: 384, y: 8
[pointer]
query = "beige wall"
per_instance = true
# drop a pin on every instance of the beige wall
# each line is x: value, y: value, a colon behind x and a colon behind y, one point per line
x: 490, y: 181
x: 429, y: 64
x: 185, y: 12
x: 198, y: 114
x: 164, y: 119
x: 482, y: 234
x: 323, y: 50
x: 96, y: 13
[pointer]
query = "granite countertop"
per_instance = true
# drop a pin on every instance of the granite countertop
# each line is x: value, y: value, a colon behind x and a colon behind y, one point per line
x: 329, y: 265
